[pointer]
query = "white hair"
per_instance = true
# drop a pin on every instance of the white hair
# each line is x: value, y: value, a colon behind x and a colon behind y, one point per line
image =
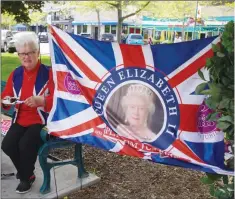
x: 139, y: 90
x: 26, y: 38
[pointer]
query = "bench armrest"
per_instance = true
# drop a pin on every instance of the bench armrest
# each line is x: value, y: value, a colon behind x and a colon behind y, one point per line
x: 44, y: 135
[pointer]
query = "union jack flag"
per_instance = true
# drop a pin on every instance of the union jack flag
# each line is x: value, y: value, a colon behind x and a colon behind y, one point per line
x: 89, y: 76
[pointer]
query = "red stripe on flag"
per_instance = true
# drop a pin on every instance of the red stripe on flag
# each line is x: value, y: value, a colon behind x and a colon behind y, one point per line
x: 60, y: 80
x: 88, y: 93
x: 132, y: 56
x: 80, y: 128
x: 188, y: 117
x: 184, y: 149
x: 128, y: 150
x: 190, y: 70
x: 69, y: 52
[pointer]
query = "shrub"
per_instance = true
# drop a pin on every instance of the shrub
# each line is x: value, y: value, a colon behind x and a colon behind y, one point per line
x: 220, y: 92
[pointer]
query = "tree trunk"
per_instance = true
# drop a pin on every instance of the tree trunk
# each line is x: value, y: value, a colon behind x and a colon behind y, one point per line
x: 37, y: 28
x: 118, y: 6
x: 98, y: 16
x: 119, y: 28
x: 182, y: 32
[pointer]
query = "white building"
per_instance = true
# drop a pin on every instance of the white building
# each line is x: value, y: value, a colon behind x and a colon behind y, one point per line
x: 88, y: 23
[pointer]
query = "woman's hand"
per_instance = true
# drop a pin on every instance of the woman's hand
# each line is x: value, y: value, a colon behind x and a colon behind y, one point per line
x: 35, y: 101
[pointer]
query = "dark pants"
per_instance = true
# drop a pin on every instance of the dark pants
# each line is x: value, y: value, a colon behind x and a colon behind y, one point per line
x: 21, y: 144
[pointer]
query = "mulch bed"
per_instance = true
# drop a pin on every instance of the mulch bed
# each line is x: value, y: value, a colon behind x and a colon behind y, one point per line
x: 133, y: 178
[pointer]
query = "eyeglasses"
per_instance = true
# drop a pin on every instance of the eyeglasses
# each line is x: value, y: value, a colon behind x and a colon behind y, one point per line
x: 28, y: 53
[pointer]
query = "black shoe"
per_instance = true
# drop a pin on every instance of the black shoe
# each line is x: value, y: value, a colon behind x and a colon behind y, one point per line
x: 25, y: 186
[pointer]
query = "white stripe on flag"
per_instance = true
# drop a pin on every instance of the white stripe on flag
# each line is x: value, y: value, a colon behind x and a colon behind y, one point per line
x: 72, y: 97
x: 72, y: 121
x: 118, y: 147
x: 148, y: 56
x: 50, y: 37
x: 176, y: 152
x: 79, y: 134
x: 54, y: 66
x: 117, y: 53
x: 60, y: 68
x: 85, y: 56
x: 89, y: 131
x: 75, y: 66
x: 185, y: 90
x: 177, y: 95
x: 223, y: 172
x: 85, y: 82
x: 119, y: 67
x: 65, y: 68
x: 194, y: 58
x: 196, y: 137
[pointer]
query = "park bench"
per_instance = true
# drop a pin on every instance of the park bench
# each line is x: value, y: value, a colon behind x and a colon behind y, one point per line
x: 49, y: 143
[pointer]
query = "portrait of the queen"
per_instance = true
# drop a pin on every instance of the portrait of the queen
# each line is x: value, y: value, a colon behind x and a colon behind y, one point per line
x: 137, y: 114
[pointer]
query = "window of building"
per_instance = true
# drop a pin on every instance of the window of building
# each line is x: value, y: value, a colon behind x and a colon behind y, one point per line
x: 84, y: 28
x: 137, y: 30
x: 107, y: 28
x: 113, y: 29
x: 79, y: 29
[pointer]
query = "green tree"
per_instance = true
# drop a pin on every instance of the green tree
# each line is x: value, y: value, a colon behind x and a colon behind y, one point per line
x: 220, y: 90
x: 218, y: 3
x: 37, y: 18
x: 120, y: 5
x: 20, y: 9
x: 172, y: 9
x: 96, y: 6
x: 7, y: 21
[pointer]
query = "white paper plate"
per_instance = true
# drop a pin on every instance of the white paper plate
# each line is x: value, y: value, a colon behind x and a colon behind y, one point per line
x: 7, y: 102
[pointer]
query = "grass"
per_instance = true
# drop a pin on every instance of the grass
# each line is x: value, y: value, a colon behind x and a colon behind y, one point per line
x: 10, y: 61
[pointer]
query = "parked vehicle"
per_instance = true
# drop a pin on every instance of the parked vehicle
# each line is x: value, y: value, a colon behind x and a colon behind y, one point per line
x: 43, y: 37
x: 11, y: 46
x: 14, y: 32
x: 87, y: 35
x: 107, y: 37
x: 6, y: 38
x: 165, y: 42
x: 135, y: 39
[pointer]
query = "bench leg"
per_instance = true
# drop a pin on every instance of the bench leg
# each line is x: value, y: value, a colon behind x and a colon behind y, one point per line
x: 79, y: 160
x: 46, y: 186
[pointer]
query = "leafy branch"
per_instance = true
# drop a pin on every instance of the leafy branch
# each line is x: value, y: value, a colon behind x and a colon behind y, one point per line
x: 220, y: 92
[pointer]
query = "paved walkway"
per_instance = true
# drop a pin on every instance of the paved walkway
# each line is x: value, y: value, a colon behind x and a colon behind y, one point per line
x: 63, y: 177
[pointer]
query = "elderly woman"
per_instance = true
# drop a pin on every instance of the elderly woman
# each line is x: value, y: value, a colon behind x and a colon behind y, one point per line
x: 32, y: 87
x: 138, y: 106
